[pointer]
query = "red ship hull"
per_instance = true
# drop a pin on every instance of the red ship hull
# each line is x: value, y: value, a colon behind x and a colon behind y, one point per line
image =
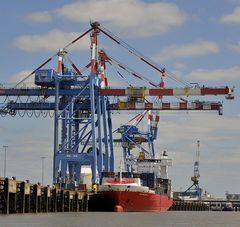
x: 130, y: 201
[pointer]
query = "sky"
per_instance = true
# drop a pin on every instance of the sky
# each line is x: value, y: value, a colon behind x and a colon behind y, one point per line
x: 197, y: 41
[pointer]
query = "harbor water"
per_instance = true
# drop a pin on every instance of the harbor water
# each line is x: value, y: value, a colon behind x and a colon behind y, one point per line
x: 104, y: 219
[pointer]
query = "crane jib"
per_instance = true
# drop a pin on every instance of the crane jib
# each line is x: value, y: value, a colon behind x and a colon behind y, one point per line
x: 168, y: 91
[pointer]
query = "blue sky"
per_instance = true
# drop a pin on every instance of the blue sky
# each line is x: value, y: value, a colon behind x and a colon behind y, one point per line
x: 196, y: 40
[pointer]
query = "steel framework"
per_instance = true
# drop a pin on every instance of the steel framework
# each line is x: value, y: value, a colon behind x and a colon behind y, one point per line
x: 82, y: 110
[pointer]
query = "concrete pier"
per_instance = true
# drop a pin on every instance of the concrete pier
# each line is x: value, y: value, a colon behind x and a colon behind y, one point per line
x: 23, y: 197
x: 206, y: 205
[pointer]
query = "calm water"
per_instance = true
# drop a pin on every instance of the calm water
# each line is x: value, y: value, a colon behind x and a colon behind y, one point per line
x: 172, y: 218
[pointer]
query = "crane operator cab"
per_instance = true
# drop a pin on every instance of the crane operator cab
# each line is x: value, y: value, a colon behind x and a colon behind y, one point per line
x: 47, y: 77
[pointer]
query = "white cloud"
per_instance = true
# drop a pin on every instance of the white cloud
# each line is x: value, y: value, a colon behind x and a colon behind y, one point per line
x: 197, y: 48
x: 30, y: 139
x: 234, y: 1
x: 214, y: 75
x: 39, y: 17
x: 209, y: 128
x: 233, y: 17
x: 178, y: 134
x: 177, y: 73
x: 51, y: 41
x: 176, y: 128
x: 116, y: 82
x: 235, y: 47
x: 132, y: 17
x: 179, y: 65
x: 219, y: 147
x: 14, y: 79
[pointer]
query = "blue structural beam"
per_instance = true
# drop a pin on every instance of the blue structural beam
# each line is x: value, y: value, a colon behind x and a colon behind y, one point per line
x: 43, y: 106
x: 105, y: 137
x: 44, y: 92
x: 110, y: 139
x: 99, y: 141
x: 93, y: 117
x: 217, y: 106
x: 32, y: 106
x: 80, y: 117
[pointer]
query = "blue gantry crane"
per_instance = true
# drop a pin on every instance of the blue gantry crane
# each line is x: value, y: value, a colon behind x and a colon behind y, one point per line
x: 194, y: 192
x: 132, y: 137
x: 82, y: 107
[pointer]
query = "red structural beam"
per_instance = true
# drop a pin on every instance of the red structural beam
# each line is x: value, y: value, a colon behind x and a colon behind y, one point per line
x: 165, y: 91
x: 167, y: 106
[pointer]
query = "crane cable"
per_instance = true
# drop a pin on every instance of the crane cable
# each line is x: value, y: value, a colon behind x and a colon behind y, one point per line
x: 135, y: 74
x: 131, y: 71
x: 141, y: 57
x: 79, y: 71
x: 49, y: 59
x: 120, y: 74
x: 138, y: 118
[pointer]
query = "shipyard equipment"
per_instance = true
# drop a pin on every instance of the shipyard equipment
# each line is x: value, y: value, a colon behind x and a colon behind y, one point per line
x: 194, y: 192
x: 82, y: 104
x: 132, y: 137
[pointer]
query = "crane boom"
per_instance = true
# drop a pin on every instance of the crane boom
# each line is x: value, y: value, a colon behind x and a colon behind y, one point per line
x: 187, y: 91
